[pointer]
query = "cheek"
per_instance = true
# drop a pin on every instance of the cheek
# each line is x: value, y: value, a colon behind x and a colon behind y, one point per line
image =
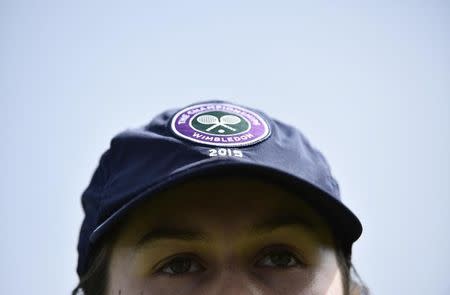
x: 330, y: 284
x: 329, y: 280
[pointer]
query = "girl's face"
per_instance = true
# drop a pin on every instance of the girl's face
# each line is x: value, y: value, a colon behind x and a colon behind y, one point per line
x: 224, y: 236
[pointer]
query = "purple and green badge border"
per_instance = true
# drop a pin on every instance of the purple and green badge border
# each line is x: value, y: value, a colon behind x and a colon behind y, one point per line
x: 220, y: 124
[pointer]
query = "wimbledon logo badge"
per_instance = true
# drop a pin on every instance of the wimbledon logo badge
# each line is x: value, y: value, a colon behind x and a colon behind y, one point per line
x: 220, y: 124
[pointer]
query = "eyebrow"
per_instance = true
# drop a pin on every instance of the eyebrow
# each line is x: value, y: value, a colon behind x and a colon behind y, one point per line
x: 171, y: 233
x: 279, y: 221
x: 192, y: 235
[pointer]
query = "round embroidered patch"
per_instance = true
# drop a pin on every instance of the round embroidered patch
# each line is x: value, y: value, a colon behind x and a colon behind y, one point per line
x: 220, y: 124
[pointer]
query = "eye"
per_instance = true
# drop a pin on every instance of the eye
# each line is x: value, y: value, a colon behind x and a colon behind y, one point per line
x: 181, y: 265
x: 279, y: 258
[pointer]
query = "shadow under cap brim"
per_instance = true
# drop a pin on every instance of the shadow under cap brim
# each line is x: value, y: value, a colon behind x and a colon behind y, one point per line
x: 346, y: 226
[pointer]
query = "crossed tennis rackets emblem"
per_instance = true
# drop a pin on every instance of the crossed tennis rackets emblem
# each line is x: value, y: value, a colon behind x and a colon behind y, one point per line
x: 224, y: 121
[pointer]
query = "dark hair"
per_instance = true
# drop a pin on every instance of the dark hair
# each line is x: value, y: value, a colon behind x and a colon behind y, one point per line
x: 95, y: 280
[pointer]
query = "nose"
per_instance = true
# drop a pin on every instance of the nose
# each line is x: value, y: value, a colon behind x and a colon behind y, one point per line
x: 231, y: 282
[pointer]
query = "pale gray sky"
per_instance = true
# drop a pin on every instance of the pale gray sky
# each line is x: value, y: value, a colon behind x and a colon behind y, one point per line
x: 367, y: 81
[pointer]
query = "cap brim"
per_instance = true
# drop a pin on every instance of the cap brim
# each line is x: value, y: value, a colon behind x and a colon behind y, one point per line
x: 346, y: 225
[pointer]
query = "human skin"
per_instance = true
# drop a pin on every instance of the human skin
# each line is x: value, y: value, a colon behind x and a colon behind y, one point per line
x: 225, y: 235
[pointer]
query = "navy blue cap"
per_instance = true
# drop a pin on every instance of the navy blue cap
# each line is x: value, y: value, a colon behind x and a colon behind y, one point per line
x: 203, y: 138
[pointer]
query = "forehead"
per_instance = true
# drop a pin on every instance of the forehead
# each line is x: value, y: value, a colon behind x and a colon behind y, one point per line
x: 226, y: 203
